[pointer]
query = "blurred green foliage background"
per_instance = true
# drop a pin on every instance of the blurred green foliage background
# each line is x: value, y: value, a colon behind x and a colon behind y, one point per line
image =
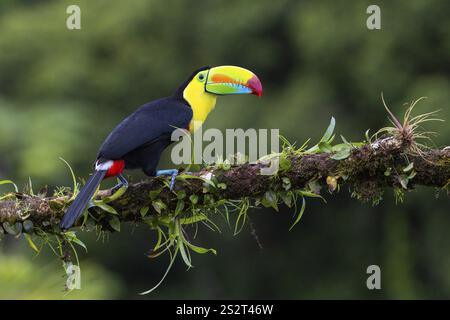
x: 62, y: 91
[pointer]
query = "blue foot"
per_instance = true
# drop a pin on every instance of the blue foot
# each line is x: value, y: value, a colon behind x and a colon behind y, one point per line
x: 168, y: 172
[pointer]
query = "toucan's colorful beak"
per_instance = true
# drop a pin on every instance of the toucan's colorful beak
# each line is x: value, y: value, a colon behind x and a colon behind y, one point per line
x: 232, y: 80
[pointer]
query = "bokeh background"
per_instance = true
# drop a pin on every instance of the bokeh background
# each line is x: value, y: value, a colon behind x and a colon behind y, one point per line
x: 62, y: 91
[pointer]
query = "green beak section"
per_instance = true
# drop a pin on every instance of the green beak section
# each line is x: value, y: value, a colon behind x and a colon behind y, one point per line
x: 226, y: 80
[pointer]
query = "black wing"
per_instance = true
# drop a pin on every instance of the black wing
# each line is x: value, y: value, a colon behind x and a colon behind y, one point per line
x: 149, y: 122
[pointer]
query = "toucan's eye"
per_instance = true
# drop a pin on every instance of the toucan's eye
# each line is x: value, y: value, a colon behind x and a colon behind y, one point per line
x: 201, y: 77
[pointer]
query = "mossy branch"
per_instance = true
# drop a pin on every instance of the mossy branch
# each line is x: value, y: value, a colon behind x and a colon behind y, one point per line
x: 392, y: 158
x: 367, y: 171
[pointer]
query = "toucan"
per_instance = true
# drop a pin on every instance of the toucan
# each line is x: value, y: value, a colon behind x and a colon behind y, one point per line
x: 139, y: 140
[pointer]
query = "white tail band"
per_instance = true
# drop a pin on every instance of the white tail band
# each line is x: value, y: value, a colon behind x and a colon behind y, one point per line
x: 104, y: 165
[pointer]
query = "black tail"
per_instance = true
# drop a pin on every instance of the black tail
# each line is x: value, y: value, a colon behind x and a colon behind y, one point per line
x: 76, y: 209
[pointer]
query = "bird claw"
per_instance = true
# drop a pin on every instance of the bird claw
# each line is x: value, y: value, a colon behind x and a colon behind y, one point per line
x: 169, y: 172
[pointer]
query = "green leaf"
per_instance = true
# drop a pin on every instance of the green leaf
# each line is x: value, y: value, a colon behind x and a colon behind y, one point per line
x: 180, y: 207
x: 200, y: 250
x: 403, y: 179
x: 193, y: 198
x: 185, y: 176
x: 222, y: 186
x: 242, y: 215
x: 154, y: 194
x: 271, y: 196
x: 184, y: 254
x: 193, y: 167
x: 325, y: 147
x: 31, y: 243
x: 9, y: 182
x: 116, y: 194
x: 208, y: 199
x: 286, y: 183
x: 344, y: 140
x: 409, y: 167
x: 327, y: 137
x: 208, y: 183
x: 314, y: 186
x: 329, y: 132
x: 30, y: 186
x: 388, y: 171
x: 285, y: 163
x: 367, y: 135
x: 144, y: 211
x: 226, y: 165
x: 71, y: 236
x: 287, y: 199
x: 311, y: 195
x: 341, y: 155
x: 340, y: 146
x: 342, y: 151
x: 158, y: 205
x: 300, y: 214
x: 172, y: 260
x: 105, y: 207
x: 12, y: 229
x: 114, y: 222
x: 195, y: 218
x: 270, y: 199
x: 74, y: 179
x: 181, y: 194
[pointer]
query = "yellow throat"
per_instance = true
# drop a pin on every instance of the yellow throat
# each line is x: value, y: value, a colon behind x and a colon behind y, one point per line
x: 201, y: 102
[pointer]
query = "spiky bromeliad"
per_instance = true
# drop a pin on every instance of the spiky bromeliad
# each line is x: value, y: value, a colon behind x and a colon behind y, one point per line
x: 138, y: 141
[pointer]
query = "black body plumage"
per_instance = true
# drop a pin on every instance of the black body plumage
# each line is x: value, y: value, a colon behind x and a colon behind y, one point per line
x: 139, y: 141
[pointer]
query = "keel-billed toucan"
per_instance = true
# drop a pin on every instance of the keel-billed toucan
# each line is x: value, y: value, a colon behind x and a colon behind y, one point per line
x: 139, y: 140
